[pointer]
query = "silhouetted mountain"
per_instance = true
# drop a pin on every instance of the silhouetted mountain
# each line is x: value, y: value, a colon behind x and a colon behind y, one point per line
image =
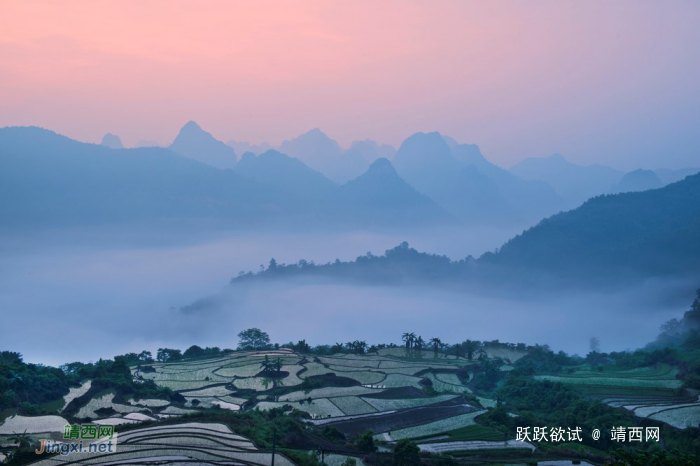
x: 46, y: 178
x: 649, y: 232
x: 197, y: 144
x: 357, y: 159
x: 637, y: 180
x: 50, y: 180
x: 610, y: 237
x: 381, y: 196
x: 290, y: 174
x: 112, y: 141
x: 398, y: 265
x: 425, y: 161
x: 532, y: 200
x: 671, y: 176
x: 574, y: 183
x: 241, y: 147
x: 315, y: 149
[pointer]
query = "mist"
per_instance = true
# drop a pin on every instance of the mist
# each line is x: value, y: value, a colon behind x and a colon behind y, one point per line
x: 85, y: 300
x: 112, y: 289
x: 326, y: 312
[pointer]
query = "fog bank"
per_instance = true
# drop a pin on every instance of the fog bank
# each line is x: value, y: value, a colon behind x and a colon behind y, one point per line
x: 65, y: 301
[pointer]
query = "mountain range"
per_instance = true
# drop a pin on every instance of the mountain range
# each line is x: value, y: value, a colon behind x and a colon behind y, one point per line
x: 573, y: 183
x: 609, y: 239
x: 650, y: 232
x: 49, y: 179
x: 576, y: 183
x: 432, y: 179
x: 195, y: 143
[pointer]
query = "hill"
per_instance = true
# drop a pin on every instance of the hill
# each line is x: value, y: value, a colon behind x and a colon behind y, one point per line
x: 425, y: 161
x: 651, y: 232
x: 357, y: 159
x: 381, y: 196
x: 46, y: 178
x: 671, y: 176
x: 284, y: 172
x: 197, y: 144
x: 112, y: 141
x: 532, y: 199
x: 574, y: 183
x: 609, y: 238
x: 315, y: 149
x: 637, y: 180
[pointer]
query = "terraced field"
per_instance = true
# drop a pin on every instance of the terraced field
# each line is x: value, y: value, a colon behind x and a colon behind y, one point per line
x: 436, y: 427
x: 236, y: 380
x: 395, y: 393
x: 193, y: 443
x: 651, y: 380
x: 33, y: 424
x: 647, y: 392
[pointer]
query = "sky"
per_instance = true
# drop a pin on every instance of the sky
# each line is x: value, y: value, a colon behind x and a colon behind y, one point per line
x: 616, y: 83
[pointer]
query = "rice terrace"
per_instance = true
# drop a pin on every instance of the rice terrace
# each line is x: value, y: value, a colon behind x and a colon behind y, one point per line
x: 352, y: 403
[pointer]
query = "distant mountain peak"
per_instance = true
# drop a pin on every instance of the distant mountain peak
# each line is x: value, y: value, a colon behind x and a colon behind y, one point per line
x: 317, y: 135
x: 112, y: 141
x: 421, y: 152
x: 194, y: 142
x: 558, y: 160
x: 638, y: 180
x: 315, y: 149
x: 382, y: 167
x: 422, y: 141
x: 191, y: 125
x: 192, y: 130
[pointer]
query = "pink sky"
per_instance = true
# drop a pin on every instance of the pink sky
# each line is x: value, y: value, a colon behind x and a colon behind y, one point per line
x: 597, y: 81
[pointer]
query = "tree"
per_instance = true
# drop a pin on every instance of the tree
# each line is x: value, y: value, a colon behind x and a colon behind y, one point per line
x: 10, y: 357
x: 437, y: 344
x: 419, y: 343
x: 404, y: 337
x: 253, y: 338
x: 406, y: 453
x: 365, y: 442
x: 337, y: 348
x: 302, y: 347
x: 692, y: 317
x: 193, y: 351
x: 15, y: 378
x: 409, y: 339
x: 267, y: 365
x: 145, y: 356
x: 471, y: 347
x: 168, y: 354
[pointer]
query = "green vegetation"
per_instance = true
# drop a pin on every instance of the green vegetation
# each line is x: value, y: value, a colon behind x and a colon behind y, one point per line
x: 392, y: 404
x: 253, y: 339
x: 25, y: 386
x: 365, y: 442
x: 406, y: 453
